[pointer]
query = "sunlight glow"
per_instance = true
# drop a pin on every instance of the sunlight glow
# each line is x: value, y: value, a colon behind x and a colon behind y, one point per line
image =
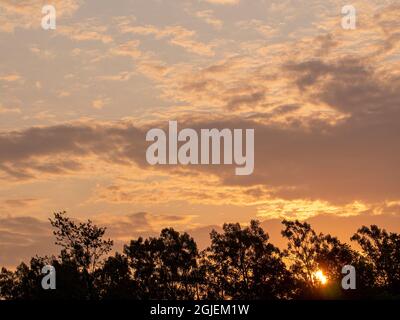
x: 320, y: 277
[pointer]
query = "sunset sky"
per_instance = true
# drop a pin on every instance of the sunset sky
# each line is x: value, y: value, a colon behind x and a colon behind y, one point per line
x: 76, y: 103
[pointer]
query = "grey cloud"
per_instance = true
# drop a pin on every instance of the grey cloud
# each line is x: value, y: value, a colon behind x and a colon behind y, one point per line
x: 245, y: 100
x: 349, y: 85
x: 19, y: 202
x: 355, y: 159
x: 56, y: 149
x: 23, y: 237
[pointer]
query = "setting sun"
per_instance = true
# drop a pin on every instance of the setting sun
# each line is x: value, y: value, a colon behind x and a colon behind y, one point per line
x: 320, y: 277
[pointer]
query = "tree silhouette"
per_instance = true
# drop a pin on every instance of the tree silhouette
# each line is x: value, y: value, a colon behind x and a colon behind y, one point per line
x: 302, y: 250
x: 7, y: 284
x: 164, y: 267
x: 25, y: 282
x: 242, y: 264
x: 382, y: 251
x: 83, y: 244
x: 309, y: 252
x: 84, y: 241
x: 114, y: 280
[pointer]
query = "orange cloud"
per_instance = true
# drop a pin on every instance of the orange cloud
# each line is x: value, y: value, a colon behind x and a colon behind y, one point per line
x: 27, y: 14
x: 177, y: 35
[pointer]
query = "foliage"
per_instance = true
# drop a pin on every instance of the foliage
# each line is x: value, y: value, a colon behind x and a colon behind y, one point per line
x: 241, y: 263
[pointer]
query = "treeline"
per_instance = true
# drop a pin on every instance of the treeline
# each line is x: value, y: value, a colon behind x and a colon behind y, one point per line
x: 240, y: 263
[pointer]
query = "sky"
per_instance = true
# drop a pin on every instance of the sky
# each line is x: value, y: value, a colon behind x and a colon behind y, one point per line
x: 76, y: 103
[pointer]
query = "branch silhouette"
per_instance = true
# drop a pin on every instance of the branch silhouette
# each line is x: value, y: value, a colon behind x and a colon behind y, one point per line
x: 240, y: 264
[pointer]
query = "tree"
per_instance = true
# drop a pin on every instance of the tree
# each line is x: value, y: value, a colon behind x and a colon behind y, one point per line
x: 83, y: 245
x: 84, y: 241
x: 242, y: 264
x: 25, y: 282
x: 302, y: 250
x: 164, y: 267
x: 382, y: 251
x: 309, y: 252
x: 114, y: 280
x: 7, y: 284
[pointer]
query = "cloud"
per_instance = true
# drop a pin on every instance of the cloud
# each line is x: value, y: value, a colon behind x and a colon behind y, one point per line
x: 23, y: 237
x: 208, y: 17
x: 176, y: 35
x: 42, y: 53
x: 12, y: 77
x: 349, y: 85
x: 63, y: 148
x: 28, y: 13
x: 304, y: 209
x: 176, y: 185
x: 89, y: 30
x: 129, y: 49
x: 100, y: 102
x: 259, y: 26
x: 223, y: 2
x: 129, y: 226
x: 24, y: 202
x: 121, y: 76
x: 4, y: 110
x: 325, y: 109
x: 326, y: 127
x: 354, y: 160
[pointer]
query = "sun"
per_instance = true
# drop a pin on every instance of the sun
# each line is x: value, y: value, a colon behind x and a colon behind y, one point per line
x: 319, y: 276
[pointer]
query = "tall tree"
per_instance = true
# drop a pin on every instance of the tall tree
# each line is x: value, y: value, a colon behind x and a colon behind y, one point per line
x: 382, y: 250
x: 242, y: 264
x: 309, y: 253
x: 114, y: 280
x: 83, y: 244
x: 7, y: 284
x: 302, y: 251
x: 164, y: 267
x: 83, y: 241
